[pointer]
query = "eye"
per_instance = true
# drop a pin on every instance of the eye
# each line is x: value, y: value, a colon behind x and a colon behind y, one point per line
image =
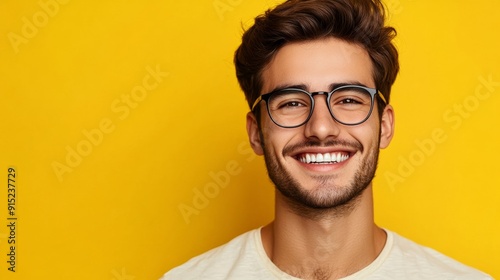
x: 292, y: 104
x: 350, y: 97
x: 349, y: 101
x: 289, y: 100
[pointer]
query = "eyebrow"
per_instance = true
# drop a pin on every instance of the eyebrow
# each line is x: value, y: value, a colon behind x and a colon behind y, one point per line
x: 305, y: 87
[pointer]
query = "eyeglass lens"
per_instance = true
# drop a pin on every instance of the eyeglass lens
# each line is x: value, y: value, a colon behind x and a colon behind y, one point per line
x: 348, y: 105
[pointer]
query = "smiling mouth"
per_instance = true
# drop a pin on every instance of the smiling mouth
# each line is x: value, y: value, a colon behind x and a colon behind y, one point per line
x: 323, y: 158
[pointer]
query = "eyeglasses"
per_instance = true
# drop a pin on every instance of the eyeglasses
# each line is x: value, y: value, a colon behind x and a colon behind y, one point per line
x: 293, y: 107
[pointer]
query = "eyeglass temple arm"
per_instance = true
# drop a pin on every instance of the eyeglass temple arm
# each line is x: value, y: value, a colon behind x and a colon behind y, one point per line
x: 382, y: 97
x: 256, y: 102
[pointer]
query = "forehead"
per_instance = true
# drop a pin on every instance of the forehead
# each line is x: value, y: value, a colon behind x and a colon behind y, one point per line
x: 317, y: 64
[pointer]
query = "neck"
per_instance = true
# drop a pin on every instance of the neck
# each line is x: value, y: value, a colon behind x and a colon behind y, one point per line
x: 331, y: 245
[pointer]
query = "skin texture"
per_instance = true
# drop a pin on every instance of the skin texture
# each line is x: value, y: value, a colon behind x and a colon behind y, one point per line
x: 323, y: 227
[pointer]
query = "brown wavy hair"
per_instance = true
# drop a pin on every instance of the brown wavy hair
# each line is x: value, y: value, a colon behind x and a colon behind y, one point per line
x: 355, y: 21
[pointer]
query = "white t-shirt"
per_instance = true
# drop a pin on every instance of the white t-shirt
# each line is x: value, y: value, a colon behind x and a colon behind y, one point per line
x: 244, y: 258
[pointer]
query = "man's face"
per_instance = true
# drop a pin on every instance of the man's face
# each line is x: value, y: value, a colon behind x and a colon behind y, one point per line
x: 319, y: 65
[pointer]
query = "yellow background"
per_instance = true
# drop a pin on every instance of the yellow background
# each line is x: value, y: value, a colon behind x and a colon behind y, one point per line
x: 68, y: 67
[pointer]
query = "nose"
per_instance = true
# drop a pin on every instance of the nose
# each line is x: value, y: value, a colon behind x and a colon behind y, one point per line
x: 321, y: 125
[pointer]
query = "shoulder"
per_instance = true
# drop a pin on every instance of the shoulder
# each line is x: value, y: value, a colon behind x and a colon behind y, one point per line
x: 413, y: 261
x: 218, y: 262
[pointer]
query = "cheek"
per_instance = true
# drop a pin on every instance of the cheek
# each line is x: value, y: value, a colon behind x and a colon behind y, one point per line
x: 367, y: 135
x: 276, y: 138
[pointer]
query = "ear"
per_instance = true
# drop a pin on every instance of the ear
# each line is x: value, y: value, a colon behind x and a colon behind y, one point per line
x: 253, y: 134
x: 386, y: 126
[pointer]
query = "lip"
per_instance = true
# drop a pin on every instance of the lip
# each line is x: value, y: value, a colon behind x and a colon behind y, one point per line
x: 322, y: 150
x: 339, y: 156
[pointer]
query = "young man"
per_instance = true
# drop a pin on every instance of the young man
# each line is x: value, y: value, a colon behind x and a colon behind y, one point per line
x: 317, y: 75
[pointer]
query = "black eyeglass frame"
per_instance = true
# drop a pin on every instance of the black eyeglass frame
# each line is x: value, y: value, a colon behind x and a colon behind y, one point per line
x: 372, y: 91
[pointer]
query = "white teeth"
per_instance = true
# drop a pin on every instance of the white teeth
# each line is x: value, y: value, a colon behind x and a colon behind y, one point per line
x: 335, y: 157
x: 327, y: 157
x: 324, y: 158
x: 319, y: 158
x: 307, y: 159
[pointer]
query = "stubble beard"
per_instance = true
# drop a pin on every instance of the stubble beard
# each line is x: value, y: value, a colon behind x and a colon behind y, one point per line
x: 326, y: 198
